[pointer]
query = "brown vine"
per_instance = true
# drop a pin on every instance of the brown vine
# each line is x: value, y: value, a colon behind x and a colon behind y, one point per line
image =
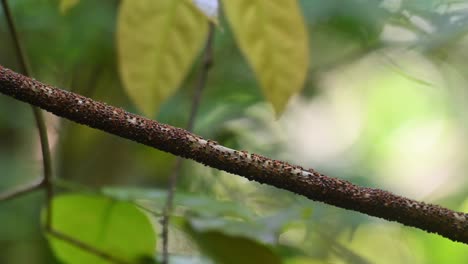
x: 306, y: 182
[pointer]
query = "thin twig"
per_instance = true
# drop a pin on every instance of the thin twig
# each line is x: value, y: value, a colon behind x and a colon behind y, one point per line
x: 207, y: 62
x: 85, y: 247
x: 20, y: 191
x: 148, y: 210
x: 307, y: 182
x: 337, y: 248
x: 40, y: 122
x: 23, y: 65
x: 47, y: 165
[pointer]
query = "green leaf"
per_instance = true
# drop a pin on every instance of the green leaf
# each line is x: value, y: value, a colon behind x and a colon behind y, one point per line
x: 195, y: 204
x: 157, y: 43
x: 117, y: 228
x: 273, y: 37
x: 261, y: 229
x: 208, y: 214
x: 228, y: 249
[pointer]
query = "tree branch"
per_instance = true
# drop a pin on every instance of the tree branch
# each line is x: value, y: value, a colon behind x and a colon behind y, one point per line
x: 309, y: 183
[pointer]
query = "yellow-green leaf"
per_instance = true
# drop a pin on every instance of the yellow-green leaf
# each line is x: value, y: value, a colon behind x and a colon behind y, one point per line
x: 273, y: 37
x: 114, y: 227
x: 66, y: 5
x: 158, y: 41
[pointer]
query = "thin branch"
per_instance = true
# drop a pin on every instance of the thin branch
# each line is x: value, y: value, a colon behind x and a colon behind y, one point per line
x: 20, y: 191
x: 347, y: 255
x: 47, y: 165
x: 167, y: 211
x: 40, y: 122
x: 23, y: 65
x: 85, y: 247
x: 207, y: 62
x: 307, y: 182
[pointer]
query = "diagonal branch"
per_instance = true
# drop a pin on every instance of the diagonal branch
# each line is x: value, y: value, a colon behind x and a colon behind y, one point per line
x: 309, y: 183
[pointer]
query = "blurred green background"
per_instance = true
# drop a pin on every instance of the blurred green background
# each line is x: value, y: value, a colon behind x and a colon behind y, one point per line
x: 384, y: 106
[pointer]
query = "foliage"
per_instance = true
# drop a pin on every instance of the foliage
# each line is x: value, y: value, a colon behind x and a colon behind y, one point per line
x: 158, y: 40
x: 109, y: 227
x: 273, y: 37
x: 157, y: 43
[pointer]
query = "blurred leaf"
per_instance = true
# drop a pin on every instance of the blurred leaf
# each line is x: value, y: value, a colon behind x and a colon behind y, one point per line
x: 190, y: 260
x: 261, y: 229
x: 157, y: 43
x: 343, y: 32
x: 422, y: 5
x: 277, y: 222
x: 227, y: 249
x: 195, y: 204
x: 117, y: 228
x: 305, y: 260
x: 210, y: 8
x: 206, y: 214
x: 248, y: 229
x: 273, y: 37
x: 66, y: 5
